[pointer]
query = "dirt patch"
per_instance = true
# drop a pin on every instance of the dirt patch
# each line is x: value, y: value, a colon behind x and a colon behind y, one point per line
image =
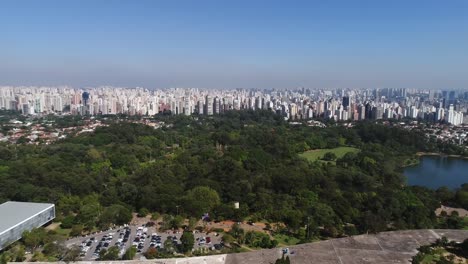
x: 226, y: 226
x: 52, y: 226
x: 461, y: 212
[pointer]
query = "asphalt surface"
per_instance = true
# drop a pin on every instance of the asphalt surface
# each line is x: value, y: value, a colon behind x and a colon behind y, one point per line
x: 89, y: 254
x: 383, y: 248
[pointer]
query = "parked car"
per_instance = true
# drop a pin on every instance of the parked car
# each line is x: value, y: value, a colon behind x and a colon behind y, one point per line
x: 218, y: 246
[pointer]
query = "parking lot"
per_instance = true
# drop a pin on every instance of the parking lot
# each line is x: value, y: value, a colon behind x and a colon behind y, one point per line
x: 141, y: 237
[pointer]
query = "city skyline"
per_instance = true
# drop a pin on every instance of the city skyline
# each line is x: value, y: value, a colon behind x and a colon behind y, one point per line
x: 242, y: 44
x: 299, y: 104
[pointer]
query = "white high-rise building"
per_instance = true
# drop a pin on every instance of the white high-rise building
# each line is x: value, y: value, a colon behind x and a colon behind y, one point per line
x: 209, y: 105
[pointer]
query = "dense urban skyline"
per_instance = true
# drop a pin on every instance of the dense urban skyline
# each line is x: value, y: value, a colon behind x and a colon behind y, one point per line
x: 448, y: 106
x: 233, y: 132
x: 248, y: 44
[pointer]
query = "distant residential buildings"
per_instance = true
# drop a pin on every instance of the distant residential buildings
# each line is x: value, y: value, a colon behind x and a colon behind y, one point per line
x: 340, y: 104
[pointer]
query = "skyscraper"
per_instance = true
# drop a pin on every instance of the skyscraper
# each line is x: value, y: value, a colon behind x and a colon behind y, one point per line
x: 345, y: 101
x: 209, y: 105
x: 85, y: 98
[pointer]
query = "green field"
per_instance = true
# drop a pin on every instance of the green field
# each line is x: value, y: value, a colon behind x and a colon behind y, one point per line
x: 317, y: 154
x: 62, y: 231
x: 284, y: 240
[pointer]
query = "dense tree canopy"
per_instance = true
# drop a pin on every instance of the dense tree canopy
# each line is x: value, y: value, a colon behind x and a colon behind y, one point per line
x: 197, y: 165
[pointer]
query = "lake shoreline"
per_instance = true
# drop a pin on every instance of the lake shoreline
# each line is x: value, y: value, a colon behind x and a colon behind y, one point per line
x: 436, y: 170
x: 431, y: 154
x: 420, y: 154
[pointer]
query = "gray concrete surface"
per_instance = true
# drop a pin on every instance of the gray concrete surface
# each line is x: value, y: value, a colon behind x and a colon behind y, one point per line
x: 386, y: 247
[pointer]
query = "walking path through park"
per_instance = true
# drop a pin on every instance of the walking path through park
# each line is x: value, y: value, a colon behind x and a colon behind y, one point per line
x: 386, y: 247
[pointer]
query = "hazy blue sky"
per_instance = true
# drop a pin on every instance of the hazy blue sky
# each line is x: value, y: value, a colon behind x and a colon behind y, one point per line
x: 234, y: 43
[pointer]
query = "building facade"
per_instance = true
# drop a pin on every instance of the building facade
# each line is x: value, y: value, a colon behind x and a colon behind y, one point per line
x: 17, y: 217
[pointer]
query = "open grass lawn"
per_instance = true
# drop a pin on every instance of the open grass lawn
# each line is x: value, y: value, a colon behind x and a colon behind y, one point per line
x: 284, y: 240
x: 317, y: 154
x: 62, y: 231
x: 428, y: 259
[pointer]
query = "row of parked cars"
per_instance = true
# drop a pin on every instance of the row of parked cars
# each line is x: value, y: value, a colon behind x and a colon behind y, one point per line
x: 122, y: 237
x: 86, y: 245
x: 156, y: 241
x: 103, y: 243
x: 106, y: 241
x: 140, y: 238
x: 203, y: 240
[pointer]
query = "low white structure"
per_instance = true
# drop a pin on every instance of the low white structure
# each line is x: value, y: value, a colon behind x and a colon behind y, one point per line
x: 17, y: 217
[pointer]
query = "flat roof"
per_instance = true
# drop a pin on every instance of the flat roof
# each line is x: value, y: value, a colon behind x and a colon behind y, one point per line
x: 13, y: 213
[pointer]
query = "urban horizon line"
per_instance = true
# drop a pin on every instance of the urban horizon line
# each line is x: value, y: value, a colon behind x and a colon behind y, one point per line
x: 65, y: 86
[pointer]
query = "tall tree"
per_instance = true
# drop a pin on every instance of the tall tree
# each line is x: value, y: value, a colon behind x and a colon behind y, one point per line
x: 187, y: 241
x: 130, y: 253
x: 201, y: 199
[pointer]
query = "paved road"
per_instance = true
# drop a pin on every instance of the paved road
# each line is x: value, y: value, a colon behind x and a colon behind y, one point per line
x: 89, y: 254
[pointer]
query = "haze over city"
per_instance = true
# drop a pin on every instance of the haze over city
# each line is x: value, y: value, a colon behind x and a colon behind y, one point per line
x: 236, y: 44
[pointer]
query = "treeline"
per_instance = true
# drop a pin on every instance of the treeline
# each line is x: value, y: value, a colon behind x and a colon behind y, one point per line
x: 200, y: 165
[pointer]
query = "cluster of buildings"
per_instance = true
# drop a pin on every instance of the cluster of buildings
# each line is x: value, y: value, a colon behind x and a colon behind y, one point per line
x: 37, y: 131
x: 457, y: 135
x: 297, y: 104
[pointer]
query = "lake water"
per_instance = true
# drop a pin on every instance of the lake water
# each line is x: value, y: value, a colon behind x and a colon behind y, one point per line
x: 434, y: 172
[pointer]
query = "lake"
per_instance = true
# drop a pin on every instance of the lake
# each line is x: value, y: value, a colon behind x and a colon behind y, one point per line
x: 435, y: 171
